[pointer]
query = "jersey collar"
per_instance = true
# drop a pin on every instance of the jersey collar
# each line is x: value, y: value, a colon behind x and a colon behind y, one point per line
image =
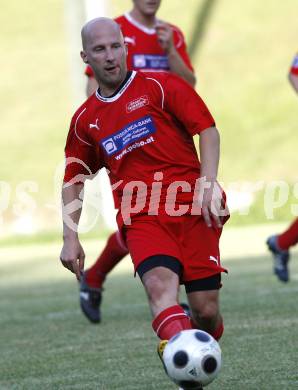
x: 120, y: 91
x: 139, y: 25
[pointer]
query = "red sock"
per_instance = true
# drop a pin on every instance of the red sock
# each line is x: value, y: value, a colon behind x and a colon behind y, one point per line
x: 289, y: 237
x: 217, y: 333
x: 113, y: 252
x: 193, y: 324
x: 170, y: 322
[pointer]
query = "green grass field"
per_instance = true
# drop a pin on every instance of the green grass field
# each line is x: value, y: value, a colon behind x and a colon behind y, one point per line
x: 46, y: 343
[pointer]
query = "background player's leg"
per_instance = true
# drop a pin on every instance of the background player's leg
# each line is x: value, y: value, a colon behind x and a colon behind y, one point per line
x: 279, y: 246
x: 114, y: 251
x: 289, y: 237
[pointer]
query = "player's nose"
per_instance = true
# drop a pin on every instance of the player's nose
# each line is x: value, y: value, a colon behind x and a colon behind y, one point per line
x: 110, y: 56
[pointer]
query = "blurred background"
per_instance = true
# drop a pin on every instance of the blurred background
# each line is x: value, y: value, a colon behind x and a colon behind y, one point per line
x: 241, y: 52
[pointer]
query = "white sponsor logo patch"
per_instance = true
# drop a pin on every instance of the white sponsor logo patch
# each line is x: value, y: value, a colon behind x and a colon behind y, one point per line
x: 139, y: 61
x: 109, y: 145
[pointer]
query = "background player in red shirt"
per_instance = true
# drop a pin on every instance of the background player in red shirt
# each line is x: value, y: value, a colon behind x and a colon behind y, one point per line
x: 293, y: 73
x: 279, y: 245
x: 146, y: 126
x: 152, y: 45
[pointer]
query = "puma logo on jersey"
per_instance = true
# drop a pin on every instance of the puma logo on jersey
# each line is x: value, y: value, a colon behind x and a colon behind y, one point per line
x: 212, y: 258
x: 131, y: 40
x: 94, y: 125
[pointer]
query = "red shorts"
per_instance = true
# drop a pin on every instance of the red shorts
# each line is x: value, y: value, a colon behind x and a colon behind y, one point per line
x: 187, y: 238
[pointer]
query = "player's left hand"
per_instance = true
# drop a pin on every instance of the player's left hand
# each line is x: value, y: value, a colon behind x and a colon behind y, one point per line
x: 164, y: 34
x: 213, y: 204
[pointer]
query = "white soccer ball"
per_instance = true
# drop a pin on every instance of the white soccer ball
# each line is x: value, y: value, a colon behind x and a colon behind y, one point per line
x: 192, y: 358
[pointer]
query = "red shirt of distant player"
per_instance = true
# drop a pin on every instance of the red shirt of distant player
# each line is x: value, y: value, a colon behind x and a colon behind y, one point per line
x: 294, y: 67
x: 144, y: 128
x: 144, y: 51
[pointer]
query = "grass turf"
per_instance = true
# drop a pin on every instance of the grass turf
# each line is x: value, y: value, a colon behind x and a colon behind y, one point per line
x: 46, y: 343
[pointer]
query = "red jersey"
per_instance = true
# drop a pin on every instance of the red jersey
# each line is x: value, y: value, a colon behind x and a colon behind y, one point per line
x: 144, y: 51
x: 147, y: 126
x: 294, y: 67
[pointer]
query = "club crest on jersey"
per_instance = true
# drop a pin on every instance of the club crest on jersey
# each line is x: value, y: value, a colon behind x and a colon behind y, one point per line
x: 94, y: 125
x: 137, y: 103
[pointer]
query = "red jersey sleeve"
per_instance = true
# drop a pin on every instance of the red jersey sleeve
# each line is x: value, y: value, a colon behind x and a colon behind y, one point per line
x: 181, y: 46
x: 82, y: 158
x: 294, y: 66
x: 182, y: 101
x: 88, y: 71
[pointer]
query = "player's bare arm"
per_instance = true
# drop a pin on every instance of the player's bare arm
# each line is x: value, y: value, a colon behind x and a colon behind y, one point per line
x: 212, y: 199
x: 72, y: 254
x: 177, y: 65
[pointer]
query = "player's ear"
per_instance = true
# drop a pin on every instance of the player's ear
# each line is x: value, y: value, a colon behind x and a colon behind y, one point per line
x: 126, y: 48
x: 84, y: 56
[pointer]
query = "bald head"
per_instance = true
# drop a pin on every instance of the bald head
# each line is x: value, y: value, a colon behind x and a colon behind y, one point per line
x: 95, y: 26
x: 105, y: 51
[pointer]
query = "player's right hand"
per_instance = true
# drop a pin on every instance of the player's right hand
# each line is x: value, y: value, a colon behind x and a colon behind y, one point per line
x: 72, y: 256
x: 165, y: 38
x: 214, y: 207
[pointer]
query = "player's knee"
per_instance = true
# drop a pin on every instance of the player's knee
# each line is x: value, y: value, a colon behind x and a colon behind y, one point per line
x: 206, y: 312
